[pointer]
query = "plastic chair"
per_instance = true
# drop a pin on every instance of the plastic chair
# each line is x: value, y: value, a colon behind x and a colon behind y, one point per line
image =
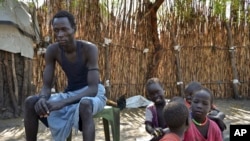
x: 110, y: 116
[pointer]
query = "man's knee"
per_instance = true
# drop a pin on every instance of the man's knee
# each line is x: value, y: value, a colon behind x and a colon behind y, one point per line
x: 86, y: 106
x: 30, y: 101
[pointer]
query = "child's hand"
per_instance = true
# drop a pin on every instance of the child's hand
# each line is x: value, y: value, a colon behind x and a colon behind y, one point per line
x: 157, y: 132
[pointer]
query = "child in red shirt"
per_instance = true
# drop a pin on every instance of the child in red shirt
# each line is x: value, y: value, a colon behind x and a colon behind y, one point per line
x: 215, y: 114
x: 202, y: 128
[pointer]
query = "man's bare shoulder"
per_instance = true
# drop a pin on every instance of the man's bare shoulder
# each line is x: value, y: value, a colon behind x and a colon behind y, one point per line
x: 52, y: 50
x: 88, y: 45
x: 53, y: 47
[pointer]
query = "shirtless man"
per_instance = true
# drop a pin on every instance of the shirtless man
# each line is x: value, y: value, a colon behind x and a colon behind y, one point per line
x: 83, y: 97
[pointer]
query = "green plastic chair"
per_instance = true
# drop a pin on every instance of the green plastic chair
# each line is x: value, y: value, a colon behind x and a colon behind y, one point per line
x: 110, y: 116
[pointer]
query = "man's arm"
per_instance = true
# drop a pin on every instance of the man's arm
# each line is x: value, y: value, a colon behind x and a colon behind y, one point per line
x: 48, y: 74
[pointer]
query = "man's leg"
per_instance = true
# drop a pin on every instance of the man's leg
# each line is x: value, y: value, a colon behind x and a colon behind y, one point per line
x: 30, y: 118
x: 88, y: 125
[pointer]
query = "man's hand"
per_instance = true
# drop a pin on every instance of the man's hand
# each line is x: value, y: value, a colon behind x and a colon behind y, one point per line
x: 52, y: 106
x: 41, y: 108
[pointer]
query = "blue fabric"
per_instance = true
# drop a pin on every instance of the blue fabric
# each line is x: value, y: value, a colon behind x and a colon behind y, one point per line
x: 62, y: 121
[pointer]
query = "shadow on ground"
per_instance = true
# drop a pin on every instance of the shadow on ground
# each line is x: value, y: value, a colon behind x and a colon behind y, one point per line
x: 131, y: 124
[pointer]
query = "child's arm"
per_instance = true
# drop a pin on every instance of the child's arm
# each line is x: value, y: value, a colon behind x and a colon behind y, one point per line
x: 157, y: 132
x: 149, y: 127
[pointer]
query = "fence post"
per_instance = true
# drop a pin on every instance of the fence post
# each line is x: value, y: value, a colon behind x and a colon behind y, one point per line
x: 177, y: 48
x: 107, y: 69
x: 233, y: 61
x: 178, y: 71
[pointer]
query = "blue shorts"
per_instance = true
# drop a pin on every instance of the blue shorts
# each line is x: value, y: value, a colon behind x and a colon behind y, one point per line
x: 61, y: 121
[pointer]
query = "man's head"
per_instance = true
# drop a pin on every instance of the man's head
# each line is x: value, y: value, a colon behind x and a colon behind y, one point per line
x: 65, y: 14
x: 155, y: 91
x: 64, y: 27
x: 176, y: 115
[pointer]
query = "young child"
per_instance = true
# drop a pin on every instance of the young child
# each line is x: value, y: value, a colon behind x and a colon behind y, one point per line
x: 189, y: 89
x: 215, y: 114
x: 202, y: 128
x: 154, y: 122
x: 176, y: 115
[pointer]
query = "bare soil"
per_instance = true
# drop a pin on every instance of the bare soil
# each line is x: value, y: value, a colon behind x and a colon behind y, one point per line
x: 131, y: 124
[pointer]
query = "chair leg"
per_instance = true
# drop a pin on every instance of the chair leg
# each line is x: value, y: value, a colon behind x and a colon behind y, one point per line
x: 70, y: 136
x: 106, y: 129
x: 116, y: 125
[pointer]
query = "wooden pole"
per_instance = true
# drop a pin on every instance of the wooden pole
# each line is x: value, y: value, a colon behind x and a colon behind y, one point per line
x: 107, y: 71
x: 14, y: 77
x: 233, y: 61
x: 178, y: 71
x: 10, y: 83
x: 177, y: 48
x: 1, y: 80
x: 25, y: 82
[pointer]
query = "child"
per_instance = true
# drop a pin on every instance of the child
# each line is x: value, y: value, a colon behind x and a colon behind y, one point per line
x: 190, y: 87
x: 178, y: 99
x: 176, y: 116
x: 215, y: 114
x: 154, y: 122
x: 202, y: 128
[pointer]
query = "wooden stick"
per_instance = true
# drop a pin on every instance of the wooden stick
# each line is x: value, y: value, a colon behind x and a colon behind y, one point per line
x: 1, y: 81
x: 9, y: 80
x: 14, y: 77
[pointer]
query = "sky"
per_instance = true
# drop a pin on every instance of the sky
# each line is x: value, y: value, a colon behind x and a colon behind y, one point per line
x: 38, y: 2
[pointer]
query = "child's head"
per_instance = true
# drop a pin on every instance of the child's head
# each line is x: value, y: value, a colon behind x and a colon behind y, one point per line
x: 155, y: 91
x: 176, y: 115
x: 190, y: 88
x: 177, y: 99
x: 201, y: 104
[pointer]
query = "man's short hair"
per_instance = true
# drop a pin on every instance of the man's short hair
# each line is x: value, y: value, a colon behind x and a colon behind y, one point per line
x: 64, y: 13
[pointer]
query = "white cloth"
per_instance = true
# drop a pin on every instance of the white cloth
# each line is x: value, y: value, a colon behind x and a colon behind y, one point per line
x: 137, y: 101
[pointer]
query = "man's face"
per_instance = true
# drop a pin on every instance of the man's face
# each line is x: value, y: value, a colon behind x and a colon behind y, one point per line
x: 63, y: 31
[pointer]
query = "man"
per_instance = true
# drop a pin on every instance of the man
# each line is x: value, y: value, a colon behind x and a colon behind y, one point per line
x: 84, y: 95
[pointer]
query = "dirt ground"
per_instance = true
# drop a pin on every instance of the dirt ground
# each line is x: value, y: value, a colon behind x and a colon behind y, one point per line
x: 131, y: 124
